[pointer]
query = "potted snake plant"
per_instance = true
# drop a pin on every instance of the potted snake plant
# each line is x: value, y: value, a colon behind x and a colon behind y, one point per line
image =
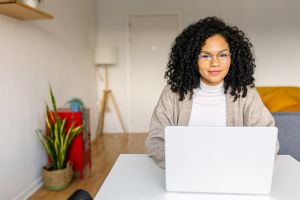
x: 56, y: 140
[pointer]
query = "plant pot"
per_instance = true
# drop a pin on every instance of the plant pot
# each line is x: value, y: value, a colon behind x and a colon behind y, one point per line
x: 57, y: 179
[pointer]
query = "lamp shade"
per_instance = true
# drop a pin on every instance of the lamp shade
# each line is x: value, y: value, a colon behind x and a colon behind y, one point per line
x: 106, y: 55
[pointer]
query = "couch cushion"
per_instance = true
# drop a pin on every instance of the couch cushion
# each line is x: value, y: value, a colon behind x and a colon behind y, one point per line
x: 288, y: 124
x: 280, y: 99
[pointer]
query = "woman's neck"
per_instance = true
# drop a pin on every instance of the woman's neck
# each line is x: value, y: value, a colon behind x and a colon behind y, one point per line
x: 204, y: 86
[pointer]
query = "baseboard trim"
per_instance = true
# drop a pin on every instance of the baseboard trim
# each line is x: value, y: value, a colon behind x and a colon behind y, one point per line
x: 32, y: 188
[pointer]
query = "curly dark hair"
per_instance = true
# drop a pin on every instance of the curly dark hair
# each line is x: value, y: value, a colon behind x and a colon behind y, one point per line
x: 182, y: 68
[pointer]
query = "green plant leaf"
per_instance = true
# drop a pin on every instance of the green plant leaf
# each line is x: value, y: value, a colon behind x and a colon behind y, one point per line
x: 47, y: 143
x: 52, y: 99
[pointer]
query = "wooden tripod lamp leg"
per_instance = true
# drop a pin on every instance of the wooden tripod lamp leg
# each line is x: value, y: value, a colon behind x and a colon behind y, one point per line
x: 118, y: 112
x: 102, y: 112
x: 106, y: 93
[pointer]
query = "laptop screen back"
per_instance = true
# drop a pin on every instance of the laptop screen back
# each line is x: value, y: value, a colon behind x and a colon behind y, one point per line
x: 220, y: 159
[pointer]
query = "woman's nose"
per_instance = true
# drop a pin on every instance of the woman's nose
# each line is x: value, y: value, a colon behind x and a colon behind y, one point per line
x: 215, y: 61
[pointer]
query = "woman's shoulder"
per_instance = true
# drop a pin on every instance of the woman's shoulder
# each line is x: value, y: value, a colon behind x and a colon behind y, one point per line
x: 250, y: 95
x: 168, y: 93
x: 167, y: 88
x: 251, y: 91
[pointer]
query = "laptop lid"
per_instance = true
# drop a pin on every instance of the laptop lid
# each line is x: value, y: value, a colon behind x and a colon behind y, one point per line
x: 220, y: 159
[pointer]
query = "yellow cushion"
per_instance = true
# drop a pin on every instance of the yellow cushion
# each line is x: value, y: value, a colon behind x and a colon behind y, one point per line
x: 280, y: 99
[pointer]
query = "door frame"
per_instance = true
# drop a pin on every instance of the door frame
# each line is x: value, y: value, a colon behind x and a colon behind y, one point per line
x: 142, y: 14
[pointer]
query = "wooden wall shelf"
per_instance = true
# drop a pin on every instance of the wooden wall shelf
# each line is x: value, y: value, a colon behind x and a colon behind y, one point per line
x: 22, y: 11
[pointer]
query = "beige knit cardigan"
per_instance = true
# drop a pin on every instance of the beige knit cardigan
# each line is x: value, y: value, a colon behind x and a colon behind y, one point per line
x: 248, y: 111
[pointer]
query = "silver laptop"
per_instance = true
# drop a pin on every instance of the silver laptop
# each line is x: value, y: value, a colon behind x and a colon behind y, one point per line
x: 220, y: 159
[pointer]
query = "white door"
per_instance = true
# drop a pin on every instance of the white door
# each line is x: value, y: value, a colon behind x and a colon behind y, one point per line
x: 151, y: 37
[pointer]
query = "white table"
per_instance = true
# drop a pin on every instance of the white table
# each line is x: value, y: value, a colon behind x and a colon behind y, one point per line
x: 136, y: 177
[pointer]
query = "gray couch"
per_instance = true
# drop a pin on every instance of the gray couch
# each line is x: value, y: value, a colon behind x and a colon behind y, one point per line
x: 288, y: 124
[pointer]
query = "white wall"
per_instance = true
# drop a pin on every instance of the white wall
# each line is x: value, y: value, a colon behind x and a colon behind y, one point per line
x: 33, y: 54
x: 272, y: 26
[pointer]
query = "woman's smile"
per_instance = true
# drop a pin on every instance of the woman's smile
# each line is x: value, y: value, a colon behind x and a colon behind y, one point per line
x: 214, y: 72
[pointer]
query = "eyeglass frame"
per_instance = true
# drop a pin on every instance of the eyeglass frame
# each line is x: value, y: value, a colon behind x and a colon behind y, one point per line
x: 211, y: 56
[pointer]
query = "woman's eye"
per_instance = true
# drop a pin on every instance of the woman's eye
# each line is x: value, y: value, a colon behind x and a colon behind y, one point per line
x: 223, y: 55
x: 204, y: 56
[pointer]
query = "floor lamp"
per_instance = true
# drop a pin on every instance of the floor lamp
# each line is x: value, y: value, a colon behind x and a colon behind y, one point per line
x: 106, y: 56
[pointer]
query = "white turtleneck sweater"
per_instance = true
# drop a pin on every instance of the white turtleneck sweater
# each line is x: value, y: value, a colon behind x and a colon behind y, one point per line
x: 209, y: 106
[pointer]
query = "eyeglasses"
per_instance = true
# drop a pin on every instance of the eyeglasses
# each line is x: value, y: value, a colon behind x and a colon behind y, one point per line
x: 222, y: 57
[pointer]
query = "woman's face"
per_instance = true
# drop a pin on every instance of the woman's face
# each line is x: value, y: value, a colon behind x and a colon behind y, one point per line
x: 214, y: 60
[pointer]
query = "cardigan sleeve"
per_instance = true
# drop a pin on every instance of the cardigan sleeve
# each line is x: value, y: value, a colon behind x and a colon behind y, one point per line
x: 256, y: 113
x: 162, y: 117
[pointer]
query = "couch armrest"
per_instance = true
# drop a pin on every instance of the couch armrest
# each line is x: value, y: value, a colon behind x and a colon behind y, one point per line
x: 288, y: 124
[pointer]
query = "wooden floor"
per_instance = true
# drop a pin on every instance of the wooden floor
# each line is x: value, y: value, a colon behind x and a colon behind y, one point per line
x: 105, y: 151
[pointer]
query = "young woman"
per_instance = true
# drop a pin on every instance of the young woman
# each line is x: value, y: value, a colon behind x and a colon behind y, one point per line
x: 210, y: 83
